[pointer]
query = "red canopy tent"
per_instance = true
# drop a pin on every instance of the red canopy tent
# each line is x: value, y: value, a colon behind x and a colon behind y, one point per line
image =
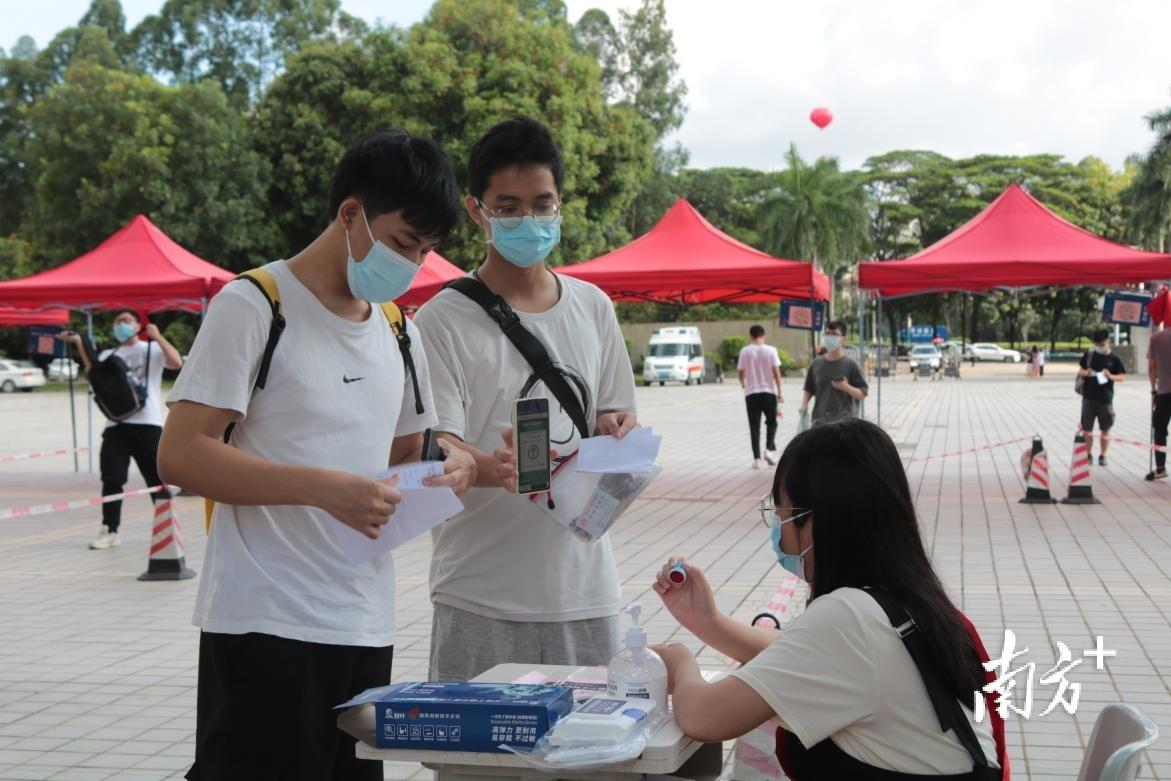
x: 11, y: 318
x: 139, y: 268
x: 685, y: 259
x: 436, y: 272
x: 1014, y: 243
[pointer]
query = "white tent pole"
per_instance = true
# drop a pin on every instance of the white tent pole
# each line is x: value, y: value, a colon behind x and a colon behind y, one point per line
x: 881, y: 355
x: 89, y: 405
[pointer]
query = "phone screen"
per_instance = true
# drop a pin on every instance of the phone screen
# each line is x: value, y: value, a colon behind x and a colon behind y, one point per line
x: 531, y: 424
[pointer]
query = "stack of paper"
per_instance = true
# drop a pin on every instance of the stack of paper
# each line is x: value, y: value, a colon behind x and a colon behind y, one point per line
x: 635, y: 453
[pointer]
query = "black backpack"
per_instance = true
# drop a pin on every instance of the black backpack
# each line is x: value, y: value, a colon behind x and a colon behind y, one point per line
x: 117, y: 391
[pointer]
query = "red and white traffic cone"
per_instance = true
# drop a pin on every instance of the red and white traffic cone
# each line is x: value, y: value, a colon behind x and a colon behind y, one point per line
x: 167, y: 561
x: 1035, y: 469
x: 1080, y: 490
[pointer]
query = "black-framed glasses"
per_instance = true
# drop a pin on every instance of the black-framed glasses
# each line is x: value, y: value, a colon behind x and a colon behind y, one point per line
x: 544, y: 213
x: 770, y: 518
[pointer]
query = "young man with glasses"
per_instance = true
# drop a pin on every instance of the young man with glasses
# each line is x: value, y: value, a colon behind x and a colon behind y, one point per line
x: 508, y: 583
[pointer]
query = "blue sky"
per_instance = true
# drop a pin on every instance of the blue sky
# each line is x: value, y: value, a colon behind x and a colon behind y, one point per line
x: 1073, y: 77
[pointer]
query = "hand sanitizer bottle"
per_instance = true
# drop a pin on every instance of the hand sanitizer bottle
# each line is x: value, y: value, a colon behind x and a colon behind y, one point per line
x: 637, y: 672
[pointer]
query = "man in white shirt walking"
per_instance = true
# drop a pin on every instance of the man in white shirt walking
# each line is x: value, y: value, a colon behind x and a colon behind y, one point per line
x: 509, y: 583
x: 759, y: 368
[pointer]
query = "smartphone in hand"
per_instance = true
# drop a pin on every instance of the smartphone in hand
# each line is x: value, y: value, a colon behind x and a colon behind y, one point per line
x: 530, y: 425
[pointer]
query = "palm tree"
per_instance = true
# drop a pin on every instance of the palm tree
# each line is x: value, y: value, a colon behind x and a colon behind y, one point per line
x: 816, y: 212
x: 1150, y: 194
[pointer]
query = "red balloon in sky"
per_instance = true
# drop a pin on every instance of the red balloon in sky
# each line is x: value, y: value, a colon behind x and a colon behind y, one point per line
x: 821, y: 117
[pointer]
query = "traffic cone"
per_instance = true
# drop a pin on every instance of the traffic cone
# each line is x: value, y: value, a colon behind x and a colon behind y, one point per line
x: 167, y: 561
x: 1080, y: 490
x: 1035, y: 468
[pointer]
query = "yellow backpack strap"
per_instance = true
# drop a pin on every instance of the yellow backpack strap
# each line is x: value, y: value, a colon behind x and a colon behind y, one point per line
x: 265, y: 282
x: 398, y: 325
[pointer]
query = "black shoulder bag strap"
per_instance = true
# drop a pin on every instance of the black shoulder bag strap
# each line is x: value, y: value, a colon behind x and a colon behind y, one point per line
x: 529, y: 346
x: 947, y: 708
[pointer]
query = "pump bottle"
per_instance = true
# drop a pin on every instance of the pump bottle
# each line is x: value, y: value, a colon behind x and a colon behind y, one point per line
x: 637, y: 672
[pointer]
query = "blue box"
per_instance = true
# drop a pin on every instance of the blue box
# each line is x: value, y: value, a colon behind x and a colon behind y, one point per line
x: 465, y: 716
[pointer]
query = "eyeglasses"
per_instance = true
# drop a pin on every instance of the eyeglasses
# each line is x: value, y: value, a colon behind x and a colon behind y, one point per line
x: 546, y: 213
x: 771, y: 518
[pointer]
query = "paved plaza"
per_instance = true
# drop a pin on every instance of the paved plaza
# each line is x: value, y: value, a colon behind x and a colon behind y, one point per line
x: 97, y: 670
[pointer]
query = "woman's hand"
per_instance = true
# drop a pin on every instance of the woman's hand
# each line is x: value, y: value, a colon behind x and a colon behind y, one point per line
x: 616, y: 424
x: 459, y: 469
x: 675, y: 656
x: 692, y: 603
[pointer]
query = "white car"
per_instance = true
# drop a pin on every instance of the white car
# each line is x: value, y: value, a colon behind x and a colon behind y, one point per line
x: 63, y: 370
x: 925, y: 353
x: 19, y: 374
x: 983, y: 351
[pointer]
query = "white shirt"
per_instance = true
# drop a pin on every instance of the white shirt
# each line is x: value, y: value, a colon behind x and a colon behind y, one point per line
x: 840, y: 671
x: 134, y: 355
x: 757, y: 361
x: 278, y: 570
x: 504, y: 557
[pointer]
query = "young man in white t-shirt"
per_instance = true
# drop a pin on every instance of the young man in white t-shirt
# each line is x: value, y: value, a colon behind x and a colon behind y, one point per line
x: 137, y: 436
x: 290, y: 627
x: 759, y: 368
x: 508, y: 583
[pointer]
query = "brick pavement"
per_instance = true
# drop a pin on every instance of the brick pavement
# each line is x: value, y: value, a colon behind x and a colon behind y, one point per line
x: 97, y: 670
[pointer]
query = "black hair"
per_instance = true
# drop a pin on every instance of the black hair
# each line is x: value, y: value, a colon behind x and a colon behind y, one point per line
x: 837, y: 325
x: 391, y: 170
x: 513, y: 142
x: 130, y: 312
x: 756, y: 331
x: 1099, y: 335
x: 868, y: 535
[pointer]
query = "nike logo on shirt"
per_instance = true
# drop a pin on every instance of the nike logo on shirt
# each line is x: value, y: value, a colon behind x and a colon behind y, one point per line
x: 348, y: 380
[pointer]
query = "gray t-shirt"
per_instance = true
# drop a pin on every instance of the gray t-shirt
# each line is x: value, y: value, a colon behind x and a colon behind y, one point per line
x: 1160, y: 350
x: 830, y: 403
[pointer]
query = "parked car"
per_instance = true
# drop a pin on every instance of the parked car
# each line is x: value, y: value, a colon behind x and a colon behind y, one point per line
x: 63, y: 369
x: 19, y: 374
x: 925, y: 353
x: 983, y: 351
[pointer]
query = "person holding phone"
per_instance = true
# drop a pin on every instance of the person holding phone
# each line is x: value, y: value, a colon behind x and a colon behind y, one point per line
x: 834, y: 380
x: 1100, y: 368
x: 508, y: 583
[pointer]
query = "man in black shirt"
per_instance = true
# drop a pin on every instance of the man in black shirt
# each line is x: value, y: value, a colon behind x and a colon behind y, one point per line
x: 1101, y: 369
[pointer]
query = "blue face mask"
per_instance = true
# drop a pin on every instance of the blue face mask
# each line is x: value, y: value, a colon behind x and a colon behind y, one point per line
x: 123, y: 331
x: 831, y: 342
x: 383, y: 275
x: 793, y: 562
x: 528, y: 243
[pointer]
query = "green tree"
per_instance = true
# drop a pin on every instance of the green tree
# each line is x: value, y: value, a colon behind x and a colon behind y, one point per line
x: 1149, y: 196
x: 106, y: 145
x: 465, y: 67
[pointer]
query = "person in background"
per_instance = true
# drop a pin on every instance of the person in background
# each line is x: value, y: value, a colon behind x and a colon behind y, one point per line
x: 1032, y: 366
x: 759, y: 367
x: 137, y: 436
x: 1101, y: 368
x: 1040, y: 362
x: 835, y: 381
x: 1159, y: 373
x: 851, y: 701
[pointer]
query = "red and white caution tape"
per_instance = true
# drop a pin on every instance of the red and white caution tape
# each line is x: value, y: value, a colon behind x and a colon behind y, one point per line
x: 970, y: 450
x: 1120, y: 441
x: 42, y: 509
x: 42, y: 454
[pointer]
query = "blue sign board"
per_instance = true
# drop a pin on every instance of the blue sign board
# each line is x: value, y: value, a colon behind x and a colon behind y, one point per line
x: 802, y: 313
x: 1127, y: 309
x: 43, y: 340
x: 923, y: 334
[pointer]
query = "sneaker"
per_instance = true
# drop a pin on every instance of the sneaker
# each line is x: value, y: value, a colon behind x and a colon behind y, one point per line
x: 756, y: 463
x: 771, y: 457
x: 106, y: 539
x: 1158, y: 474
x: 1101, y: 460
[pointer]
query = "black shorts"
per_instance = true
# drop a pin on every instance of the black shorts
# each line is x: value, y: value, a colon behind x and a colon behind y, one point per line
x: 1097, y: 410
x: 265, y: 708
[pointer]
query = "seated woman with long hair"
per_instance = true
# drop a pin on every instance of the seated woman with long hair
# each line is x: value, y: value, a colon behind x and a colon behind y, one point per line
x: 878, y: 677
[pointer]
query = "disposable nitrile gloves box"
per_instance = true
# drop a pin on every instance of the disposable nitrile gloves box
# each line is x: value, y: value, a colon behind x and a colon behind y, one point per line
x: 464, y: 716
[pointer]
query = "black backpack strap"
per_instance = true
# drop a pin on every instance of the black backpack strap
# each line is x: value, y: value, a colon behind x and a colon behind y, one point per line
x: 947, y: 708
x: 266, y: 284
x: 529, y: 346
x: 398, y: 326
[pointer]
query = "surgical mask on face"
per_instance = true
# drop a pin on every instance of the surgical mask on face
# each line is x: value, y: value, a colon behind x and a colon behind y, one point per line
x: 1101, y: 350
x: 793, y: 562
x: 527, y: 244
x: 123, y: 331
x: 831, y: 342
x: 383, y: 275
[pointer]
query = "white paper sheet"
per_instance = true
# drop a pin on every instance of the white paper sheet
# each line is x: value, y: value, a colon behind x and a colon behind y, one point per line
x: 636, y: 452
x: 420, y: 510
x: 1102, y: 378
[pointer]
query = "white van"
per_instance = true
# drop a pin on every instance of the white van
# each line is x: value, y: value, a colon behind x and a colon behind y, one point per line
x: 674, y: 355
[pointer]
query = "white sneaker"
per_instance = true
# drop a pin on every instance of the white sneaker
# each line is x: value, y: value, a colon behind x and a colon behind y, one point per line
x: 106, y: 539
x: 771, y: 457
x: 756, y: 463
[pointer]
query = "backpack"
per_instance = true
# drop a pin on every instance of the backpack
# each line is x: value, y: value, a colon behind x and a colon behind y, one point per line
x: 1079, y: 382
x: 118, y: 392
x: 265, y: 282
